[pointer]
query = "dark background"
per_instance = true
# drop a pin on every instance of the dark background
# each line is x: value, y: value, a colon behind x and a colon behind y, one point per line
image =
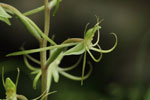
x: 121, y: 75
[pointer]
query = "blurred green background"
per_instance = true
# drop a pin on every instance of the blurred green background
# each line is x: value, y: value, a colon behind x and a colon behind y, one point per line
x: 123, y: 74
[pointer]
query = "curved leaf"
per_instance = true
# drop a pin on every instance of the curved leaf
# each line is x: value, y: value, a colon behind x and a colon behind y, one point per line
x: 4, y: 16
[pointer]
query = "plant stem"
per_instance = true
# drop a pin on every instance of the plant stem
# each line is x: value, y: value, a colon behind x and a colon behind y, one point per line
x: 51, y: 4
x: 43, y: 54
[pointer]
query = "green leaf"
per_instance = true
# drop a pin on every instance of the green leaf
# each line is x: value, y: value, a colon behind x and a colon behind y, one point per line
x: 57, y: 7
x: 40, y: 49
x: 3, y: 13
x: 77, y: 50
x: 38, y: 31
x: 4, y: 16
x: 26, y: 21
x: 5, y: 20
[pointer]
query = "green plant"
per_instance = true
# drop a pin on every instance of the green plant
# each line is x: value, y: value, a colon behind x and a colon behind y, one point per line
x: 10, y: 87
x: 49, y: 67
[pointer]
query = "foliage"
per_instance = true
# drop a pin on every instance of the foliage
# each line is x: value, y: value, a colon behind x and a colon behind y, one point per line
x: 49, y: 68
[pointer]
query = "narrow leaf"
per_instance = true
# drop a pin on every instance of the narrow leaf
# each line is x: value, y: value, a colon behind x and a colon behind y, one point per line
x: 57, y: 7
x: 29, y: 27
x: 3, y: 13
x: 40, y: 49
x: 6, y: 20
x: 40, y: 32
x: 4, y: 16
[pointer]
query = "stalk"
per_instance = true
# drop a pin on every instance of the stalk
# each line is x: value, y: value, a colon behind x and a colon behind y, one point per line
x: 43, y: 54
